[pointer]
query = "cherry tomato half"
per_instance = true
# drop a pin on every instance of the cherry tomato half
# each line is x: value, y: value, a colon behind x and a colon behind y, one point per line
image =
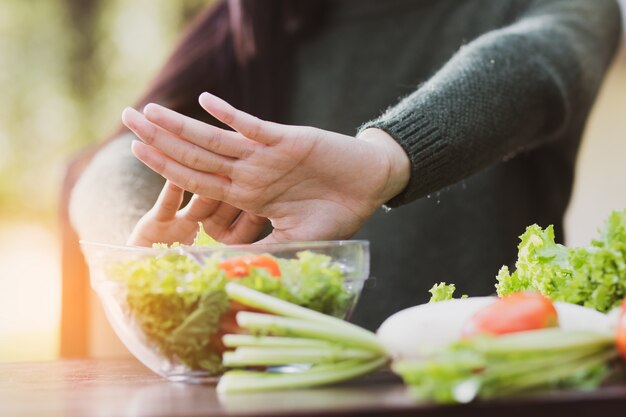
x: 240, y: 266
x: 513, y: 313
x: 620, y: 333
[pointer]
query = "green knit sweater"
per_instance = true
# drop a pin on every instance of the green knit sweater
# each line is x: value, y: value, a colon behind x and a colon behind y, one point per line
x: 493, y: 94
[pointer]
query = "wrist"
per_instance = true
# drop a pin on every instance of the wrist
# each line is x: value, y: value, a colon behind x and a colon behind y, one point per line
x: 398, y: 164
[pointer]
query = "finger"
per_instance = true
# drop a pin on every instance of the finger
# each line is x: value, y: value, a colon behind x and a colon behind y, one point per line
x: 168, y: 203
x: 221, y: 219
x: 199, y: 208
x: 178, y: 149
x: 220, y: 141
x: 201, y: 183
x: 251, y: 127
x: 247, y: 228
x: 269, y: 239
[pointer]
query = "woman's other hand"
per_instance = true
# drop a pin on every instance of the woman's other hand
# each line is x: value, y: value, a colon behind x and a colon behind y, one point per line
x: 311, y: 183
x: 167, y: 223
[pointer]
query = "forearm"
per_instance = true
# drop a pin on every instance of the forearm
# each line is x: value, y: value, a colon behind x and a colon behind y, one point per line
x: 507, y: 91
x: 113, y: 192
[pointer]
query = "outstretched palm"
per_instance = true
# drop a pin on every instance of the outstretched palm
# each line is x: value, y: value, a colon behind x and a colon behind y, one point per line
x: 311, y: 183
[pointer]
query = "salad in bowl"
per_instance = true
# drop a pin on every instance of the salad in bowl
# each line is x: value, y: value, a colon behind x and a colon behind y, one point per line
x: 169, y: 307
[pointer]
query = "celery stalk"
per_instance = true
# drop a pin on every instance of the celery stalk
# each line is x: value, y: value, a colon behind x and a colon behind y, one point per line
x: 333, y: 349
x: 293, y: 327
x: 283, y: 308
x: 271, y: 356
x: 510, y: 368
x: 240, y: 340
x: 545, y: 340
x: 238, y: 382
x: 550, y: 375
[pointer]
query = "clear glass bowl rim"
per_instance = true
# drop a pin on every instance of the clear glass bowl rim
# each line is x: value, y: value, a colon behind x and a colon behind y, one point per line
x: 256, y: 248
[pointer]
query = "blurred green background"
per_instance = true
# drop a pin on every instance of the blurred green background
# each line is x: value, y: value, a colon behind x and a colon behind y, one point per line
x: 67, y: 69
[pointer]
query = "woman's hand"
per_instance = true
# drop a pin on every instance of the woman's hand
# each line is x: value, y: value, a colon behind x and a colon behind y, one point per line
x: 167, y: 223
x: 311, y: 183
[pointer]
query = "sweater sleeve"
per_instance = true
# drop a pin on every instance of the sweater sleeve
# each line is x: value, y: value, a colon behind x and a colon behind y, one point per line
x: 112, y: 194
x: 507, y: 91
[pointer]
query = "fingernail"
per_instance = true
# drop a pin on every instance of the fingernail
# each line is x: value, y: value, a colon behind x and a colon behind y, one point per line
x: 125, y: 113
x: 150, y: 107
x: 134, y: 145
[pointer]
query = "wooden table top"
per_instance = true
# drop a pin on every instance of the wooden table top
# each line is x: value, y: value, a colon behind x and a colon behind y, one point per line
x: 106, y: 388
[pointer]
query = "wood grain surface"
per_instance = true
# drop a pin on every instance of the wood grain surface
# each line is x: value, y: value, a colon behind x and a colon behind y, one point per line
x: 104, y: 388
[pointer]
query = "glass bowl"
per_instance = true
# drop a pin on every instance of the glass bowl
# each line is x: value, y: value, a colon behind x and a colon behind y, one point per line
x: 168, y: 306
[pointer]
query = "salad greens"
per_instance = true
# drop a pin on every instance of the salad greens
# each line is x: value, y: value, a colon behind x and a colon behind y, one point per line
x: 592, y: 276
x: 442, y: 292
x: 178, y: 300
x: 487, y: 367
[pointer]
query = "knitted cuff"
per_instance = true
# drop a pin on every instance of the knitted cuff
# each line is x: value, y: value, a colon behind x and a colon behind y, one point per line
x: 422, y: 142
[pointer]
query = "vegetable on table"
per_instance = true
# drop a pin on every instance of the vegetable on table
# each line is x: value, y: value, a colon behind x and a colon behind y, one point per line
x: 419, y: 331
x: 488, y: 366
x: 324, y: 349
x: 319, y: 349
x: 424, y: 329
x: 256, y: 315
x: 508, y: 346
x: 511, y: 344
x: 513, y: 313
x: 593, y: 276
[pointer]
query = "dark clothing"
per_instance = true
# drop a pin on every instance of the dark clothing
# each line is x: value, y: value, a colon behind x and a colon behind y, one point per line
x: 497, y: 94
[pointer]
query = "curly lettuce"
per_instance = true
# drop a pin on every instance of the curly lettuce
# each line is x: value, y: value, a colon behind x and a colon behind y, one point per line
x: 441, y: 292
x: 592, y: 276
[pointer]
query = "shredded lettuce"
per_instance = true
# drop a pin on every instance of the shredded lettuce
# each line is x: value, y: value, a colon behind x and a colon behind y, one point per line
x: 592, y: 276
x: 316, y: 282
x: 203, y: 239
x: 441, y: 292
x: 177, y: 300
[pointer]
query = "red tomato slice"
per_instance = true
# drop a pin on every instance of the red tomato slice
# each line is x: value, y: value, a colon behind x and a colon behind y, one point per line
x: 228, y: 325
x: 513, y: 313
x: 240, y: 266
x: 620, y: 334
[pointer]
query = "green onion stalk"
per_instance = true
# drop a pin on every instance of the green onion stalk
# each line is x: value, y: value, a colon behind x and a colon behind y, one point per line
x: 317, y: 349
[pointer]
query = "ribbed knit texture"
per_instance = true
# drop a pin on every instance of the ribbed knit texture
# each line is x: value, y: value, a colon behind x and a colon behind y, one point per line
x: 507, y: 91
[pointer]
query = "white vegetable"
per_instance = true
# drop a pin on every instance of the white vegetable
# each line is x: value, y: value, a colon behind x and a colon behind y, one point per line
x: 421, y: 330
x: 575, y: 317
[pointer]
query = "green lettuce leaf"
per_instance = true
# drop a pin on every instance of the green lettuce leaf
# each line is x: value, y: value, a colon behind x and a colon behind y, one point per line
x: 593, y: 276
x: 203, y: 239
x: 315, y: 282
x: 441, y: 292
